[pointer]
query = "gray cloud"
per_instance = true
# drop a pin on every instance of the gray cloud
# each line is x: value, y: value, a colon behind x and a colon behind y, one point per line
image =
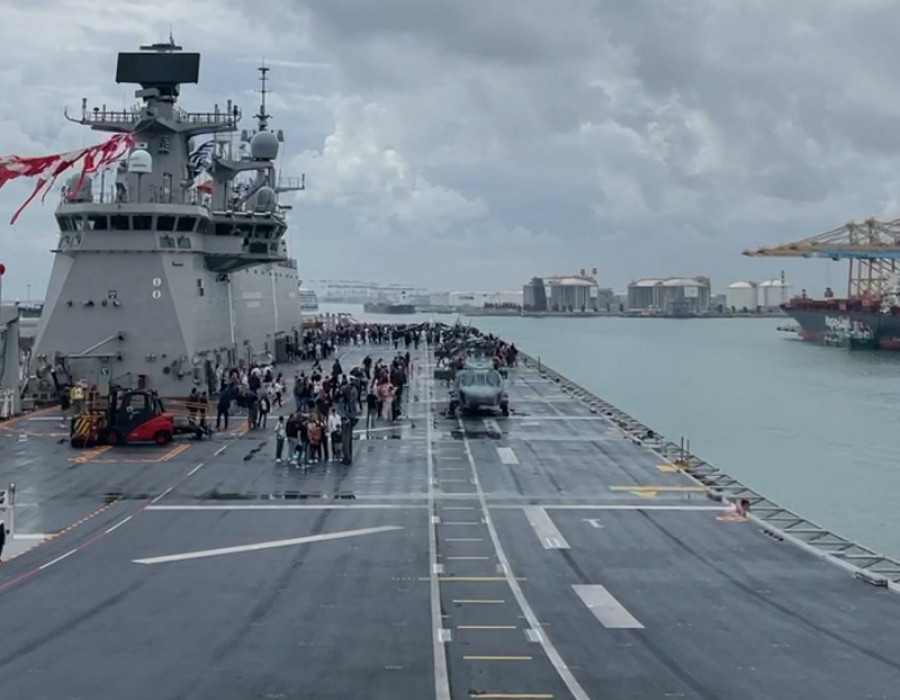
x: 471, y: 144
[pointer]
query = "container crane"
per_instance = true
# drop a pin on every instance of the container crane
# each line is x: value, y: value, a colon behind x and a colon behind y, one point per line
x: 872, y: 247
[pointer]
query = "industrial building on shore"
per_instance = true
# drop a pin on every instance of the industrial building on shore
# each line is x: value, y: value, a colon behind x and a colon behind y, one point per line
x: 577, y: 293
x: 747, y: 296
x: 670, y: 296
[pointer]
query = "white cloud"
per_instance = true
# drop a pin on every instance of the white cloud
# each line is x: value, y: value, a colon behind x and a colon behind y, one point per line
x: 467, y: 143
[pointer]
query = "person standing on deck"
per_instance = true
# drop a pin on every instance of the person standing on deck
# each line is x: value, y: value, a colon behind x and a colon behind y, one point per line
x: 280, y: 434
x: 264, y: 408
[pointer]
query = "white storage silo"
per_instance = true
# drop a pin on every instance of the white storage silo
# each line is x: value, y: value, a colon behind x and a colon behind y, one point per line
x: 742, y: 295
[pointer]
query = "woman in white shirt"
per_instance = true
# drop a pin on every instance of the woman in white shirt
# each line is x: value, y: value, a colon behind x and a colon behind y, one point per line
x: 334, y: 434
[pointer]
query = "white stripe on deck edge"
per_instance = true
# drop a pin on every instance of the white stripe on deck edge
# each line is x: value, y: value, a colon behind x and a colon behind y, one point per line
x: 611, y: 613
x: 507, y: 456
x: 533, y: 635
x: 545, y: 528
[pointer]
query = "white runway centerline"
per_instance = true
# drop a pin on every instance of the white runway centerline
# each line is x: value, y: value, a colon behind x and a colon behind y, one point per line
x: 265, y: 545
x: 611, y: 613
x: 545, y: 528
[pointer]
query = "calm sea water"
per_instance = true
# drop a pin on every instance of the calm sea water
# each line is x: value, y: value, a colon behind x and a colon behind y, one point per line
x: 816, y: 429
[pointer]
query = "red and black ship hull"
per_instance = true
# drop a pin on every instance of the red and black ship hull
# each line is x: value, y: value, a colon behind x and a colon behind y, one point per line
x: 815, y: 317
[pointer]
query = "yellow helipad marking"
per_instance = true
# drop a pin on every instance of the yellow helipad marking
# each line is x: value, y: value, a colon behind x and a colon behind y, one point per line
x: 91, y: 454
x: 673, y: 489
x: 478, y: 601
x: 669, y: 468
x: 497, y: 658
x: 653, y: 491
x: 486, y: 627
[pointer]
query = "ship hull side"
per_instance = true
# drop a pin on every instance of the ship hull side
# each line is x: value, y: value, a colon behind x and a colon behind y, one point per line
x: 813, y: 325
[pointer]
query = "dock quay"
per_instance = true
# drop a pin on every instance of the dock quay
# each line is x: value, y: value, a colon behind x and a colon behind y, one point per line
x: 565, y: 551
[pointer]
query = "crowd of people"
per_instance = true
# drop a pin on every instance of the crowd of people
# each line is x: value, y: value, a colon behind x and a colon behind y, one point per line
x: 324, y: 402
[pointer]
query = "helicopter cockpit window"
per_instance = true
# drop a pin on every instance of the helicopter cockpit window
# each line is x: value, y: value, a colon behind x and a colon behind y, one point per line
x: 493, y: 379
x: 466, y: 378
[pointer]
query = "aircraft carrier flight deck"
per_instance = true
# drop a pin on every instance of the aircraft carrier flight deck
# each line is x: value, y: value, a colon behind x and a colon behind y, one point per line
x: 540, y: 555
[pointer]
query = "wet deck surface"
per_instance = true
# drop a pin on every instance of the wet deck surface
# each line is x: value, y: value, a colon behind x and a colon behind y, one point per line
x: 537, y: 556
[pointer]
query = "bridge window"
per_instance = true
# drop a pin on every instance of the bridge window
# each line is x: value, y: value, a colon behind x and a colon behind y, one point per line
x: 204, y: 226
x: 166, y: 242
x: 186, y: 224
x: 143, y: 222
x: 223, y: 229
x: 184, y: 242
x: 97, y: 222
x: 119, y: 222
x: 165, y: 223
x: 65, y: 223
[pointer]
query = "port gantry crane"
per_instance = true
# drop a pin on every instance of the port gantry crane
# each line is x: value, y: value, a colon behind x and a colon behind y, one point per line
x: 872, y: 247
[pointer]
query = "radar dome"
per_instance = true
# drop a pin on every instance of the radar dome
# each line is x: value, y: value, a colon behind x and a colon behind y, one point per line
x: 264, y: 146
x: 265, y: 200
x: 140, y: 161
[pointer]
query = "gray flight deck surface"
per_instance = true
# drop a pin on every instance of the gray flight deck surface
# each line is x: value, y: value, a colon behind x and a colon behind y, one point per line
x: 542, y: 555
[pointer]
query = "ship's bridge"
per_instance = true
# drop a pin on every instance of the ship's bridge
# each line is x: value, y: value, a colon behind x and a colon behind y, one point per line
x: 229, y: 240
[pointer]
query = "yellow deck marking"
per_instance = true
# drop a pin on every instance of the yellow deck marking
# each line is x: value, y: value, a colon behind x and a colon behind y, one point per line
x: 734, y: 518
x: 478, y: 601
x: 497, y: 658
x: 669, y: 468
x: 486, y: 627
x: 174, y: 452
x: 674, y: 489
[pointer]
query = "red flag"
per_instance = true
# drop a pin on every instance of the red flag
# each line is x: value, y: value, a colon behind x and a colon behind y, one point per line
x: 48, y: 168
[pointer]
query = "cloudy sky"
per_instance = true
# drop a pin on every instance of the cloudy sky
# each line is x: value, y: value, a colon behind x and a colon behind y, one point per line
x: 475, y: 143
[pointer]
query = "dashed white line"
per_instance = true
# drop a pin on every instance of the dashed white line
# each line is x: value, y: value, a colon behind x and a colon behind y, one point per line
x: 565, y: 673
x: 57, y: 560
x: 162, y: 495
x: 196, y: 469
x: 119, y: 524
x: 220, y: 450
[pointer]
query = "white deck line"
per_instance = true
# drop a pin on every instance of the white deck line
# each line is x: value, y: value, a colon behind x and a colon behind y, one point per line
x: 507, y: 456
x: 440, y: 635
x: 575, y: 688
x: 545, y: 528
x: 611, y: 613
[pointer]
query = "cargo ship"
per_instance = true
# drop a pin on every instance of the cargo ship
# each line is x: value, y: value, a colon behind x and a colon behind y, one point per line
x: 820, y: 320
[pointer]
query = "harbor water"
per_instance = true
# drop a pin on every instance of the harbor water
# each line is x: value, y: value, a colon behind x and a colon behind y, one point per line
x: 815, y: 429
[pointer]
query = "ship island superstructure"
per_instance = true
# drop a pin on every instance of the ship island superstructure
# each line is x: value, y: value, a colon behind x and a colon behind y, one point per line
x: 162, y: 276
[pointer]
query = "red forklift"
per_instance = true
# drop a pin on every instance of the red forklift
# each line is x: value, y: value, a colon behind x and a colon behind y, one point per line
x: 124, y: 416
